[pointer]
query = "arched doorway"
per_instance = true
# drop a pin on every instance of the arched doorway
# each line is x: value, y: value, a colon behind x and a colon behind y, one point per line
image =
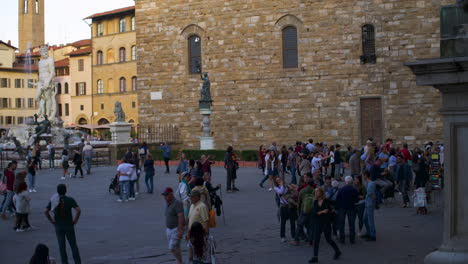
x: 82, y: 121
x: 103, y: 121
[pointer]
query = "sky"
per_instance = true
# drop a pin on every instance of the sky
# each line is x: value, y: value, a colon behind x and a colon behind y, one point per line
x: 63, y: 19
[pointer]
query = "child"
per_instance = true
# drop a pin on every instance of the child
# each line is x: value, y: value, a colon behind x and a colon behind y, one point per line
x: 21, y: 200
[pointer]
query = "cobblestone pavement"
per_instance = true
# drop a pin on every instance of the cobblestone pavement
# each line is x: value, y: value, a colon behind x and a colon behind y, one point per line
x: 133, y: 232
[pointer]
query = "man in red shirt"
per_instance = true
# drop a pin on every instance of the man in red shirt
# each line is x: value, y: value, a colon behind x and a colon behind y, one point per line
x: 405, y: 152
x: 10, y: 182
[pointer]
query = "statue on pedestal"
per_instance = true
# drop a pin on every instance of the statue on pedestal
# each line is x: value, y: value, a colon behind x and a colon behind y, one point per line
x: 205, y: 90
x: 45, y: 95
x: 42, y: 127
x: 119, y: 112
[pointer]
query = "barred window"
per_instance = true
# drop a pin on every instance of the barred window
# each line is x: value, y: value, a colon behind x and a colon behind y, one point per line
x: 194, y: 50
x: 122, y: 54
x: 100, y: 87
x: 290, y: 56
x: 123, y: 86
x: 134, y: 53
x: 368, y: 44
x: 122, y: 25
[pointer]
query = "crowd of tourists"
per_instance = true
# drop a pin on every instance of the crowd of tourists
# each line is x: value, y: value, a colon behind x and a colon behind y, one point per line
x: 317, y: 189
x: 315, y: 195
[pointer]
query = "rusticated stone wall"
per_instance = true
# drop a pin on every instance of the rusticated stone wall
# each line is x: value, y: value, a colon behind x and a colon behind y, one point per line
x: 256, y: 100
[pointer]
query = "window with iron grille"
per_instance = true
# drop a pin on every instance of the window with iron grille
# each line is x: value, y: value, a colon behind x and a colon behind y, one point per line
x: 194, y: 51
x: 368, y: 44
x: 290, y: 56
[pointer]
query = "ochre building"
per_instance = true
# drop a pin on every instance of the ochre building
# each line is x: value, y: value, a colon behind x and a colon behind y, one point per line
x: 114, y: 73
x: 289, y: 70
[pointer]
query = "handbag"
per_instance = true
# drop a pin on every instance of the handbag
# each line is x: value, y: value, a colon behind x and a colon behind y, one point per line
x: 212, y: 222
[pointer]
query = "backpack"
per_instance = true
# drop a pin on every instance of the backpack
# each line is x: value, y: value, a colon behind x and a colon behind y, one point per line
x: 308, y: 203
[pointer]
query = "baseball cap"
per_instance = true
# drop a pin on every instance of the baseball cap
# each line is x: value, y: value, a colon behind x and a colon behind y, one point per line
x: 185, y: 173
x: 167, y: 191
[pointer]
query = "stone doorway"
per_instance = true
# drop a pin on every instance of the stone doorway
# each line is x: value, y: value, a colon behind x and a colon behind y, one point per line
x: 371, y: 119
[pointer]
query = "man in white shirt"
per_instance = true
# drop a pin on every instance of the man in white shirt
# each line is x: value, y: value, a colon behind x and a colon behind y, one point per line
x: 125, y: 170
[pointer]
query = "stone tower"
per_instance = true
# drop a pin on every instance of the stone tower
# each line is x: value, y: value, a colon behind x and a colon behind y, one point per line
x: 30, y: 23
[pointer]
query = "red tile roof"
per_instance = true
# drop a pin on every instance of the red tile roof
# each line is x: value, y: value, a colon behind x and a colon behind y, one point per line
x: 80, y: 52
x: 9, y: 45
x: 21, y: 68
x: 62, y: 63
x: 112, y: 12
x: 81, y: 43
x: 33, y: 54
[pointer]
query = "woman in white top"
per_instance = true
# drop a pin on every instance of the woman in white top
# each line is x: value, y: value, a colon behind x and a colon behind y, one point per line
x: 125, y: 170
x: 183, y: 192
x: 22, y: 201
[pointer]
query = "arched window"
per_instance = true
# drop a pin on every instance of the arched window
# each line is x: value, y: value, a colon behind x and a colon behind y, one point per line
x: 103, y: 121
x: 100, y: 87
x: 26, y: 5
x: 122, y: 54
x: 110, y: 86
x: 134, y: 83
x: 99, y: 57
x: 82, y: 121
x: 66, y: 88
x: 133, y: 23
x: 37, y: 6
x: 110, y: 56
x: 290, y: 57
x: 194, y: 51
x: 123, y: 87
x: 59, y: 88
x: 134, y: 53
x: 122, y: 25
x: 368, y: 44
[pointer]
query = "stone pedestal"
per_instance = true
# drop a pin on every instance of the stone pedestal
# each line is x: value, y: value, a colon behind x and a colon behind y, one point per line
x: 206, y: 141
x: 120, y: 132
x: 450, y: 77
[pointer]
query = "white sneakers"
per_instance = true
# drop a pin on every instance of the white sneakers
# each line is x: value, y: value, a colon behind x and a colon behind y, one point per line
x: 131, y: 199
x: 63, y: 178
x: 119, y: 200
x: 283, y: 240
x: 270, y: 189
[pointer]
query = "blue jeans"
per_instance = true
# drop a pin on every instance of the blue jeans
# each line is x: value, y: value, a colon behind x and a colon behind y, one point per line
x: 369, y: 221
x: 149, y: 181
x: 305, y: 220
x: 87, y: 161
x: 32, y: 180
x: 51, y: 161
x: 8, y: 202
x: 67, y: 233
x: 124, y: 189
x: 293, y: 174
x: 351, y: 213
x: 132, y: 189
x: 360, y: 214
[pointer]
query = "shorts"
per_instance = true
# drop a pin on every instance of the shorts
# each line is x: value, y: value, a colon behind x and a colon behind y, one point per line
x: 65, y: 165
x: 174, y: 241
x: 273, y: 172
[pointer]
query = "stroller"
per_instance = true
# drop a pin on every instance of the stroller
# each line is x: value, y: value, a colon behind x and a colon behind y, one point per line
x: 114, y: 185
x: 420, y: 200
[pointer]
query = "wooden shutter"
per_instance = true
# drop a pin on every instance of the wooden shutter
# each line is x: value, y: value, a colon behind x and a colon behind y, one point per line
x: 290, y: 57
x: 194, y: 50
x: 77, y: 89
x: 84, y: 84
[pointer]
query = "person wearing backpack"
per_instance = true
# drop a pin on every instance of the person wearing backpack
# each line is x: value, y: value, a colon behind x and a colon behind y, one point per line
x: 346, y: 201
x: 304, y: 208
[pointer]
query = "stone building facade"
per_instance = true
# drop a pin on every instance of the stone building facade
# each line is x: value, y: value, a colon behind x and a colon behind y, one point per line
x: 332, y: 95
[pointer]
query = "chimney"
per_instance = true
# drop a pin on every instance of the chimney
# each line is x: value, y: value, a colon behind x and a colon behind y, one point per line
x: 9, y: 42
